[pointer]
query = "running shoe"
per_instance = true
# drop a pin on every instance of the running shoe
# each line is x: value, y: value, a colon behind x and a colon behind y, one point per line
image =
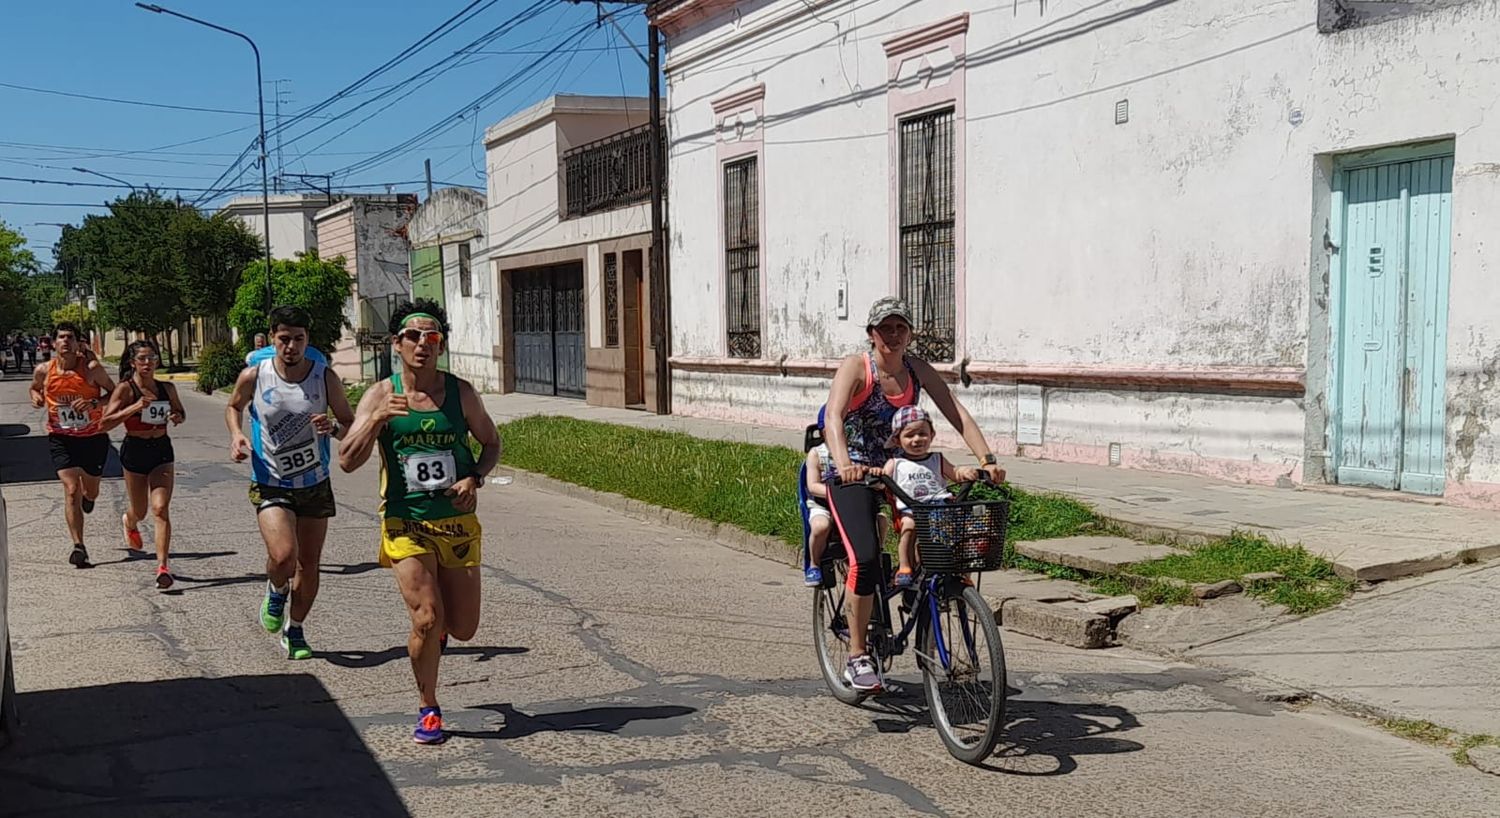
x: 429, y: 727
x: 164, y: 578
x: 80, y: 556
x: 133, y: 539
x: 861, y: 674
x: 273, y: 611
x: 88, y: 506
x: 295, y: 644
x: 443, y: 643
x: 812, y: 576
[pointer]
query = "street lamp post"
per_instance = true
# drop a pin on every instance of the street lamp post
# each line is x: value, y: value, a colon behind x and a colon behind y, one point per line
x: 265, y: 195
x: 133, y: 189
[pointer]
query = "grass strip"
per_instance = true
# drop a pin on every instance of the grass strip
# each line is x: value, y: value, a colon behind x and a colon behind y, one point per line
x: 749, y: 485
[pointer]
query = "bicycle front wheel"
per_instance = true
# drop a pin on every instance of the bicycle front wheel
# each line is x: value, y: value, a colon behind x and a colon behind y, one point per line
x: 966, y: 684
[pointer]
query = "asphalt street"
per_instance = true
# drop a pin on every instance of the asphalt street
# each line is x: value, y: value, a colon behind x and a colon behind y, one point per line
x: 621, y: 668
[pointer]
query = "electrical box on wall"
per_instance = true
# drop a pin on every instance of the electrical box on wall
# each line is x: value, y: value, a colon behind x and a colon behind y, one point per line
x: 843, y: 298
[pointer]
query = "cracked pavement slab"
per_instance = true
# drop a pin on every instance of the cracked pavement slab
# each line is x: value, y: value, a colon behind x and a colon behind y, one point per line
x: 621, y: 668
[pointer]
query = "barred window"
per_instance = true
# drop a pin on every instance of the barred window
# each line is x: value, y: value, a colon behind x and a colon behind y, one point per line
x: 927, y: 232
x: 465, y: 271
x: 611, y: 300
x: 742, y: 257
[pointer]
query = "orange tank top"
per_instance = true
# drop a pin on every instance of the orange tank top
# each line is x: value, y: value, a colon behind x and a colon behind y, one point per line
x: 62, y: 388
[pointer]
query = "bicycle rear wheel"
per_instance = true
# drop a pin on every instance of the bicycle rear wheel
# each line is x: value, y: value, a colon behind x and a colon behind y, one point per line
x: 966, y: 695
x: 831, y: 634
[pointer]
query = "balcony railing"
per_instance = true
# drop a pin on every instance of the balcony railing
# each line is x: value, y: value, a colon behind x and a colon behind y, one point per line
x: 607, y: 174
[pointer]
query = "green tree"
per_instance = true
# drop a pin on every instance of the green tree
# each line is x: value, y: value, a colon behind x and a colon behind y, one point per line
x: 85, y: 318
x: 44, y: 293
x: 16, y: 265
x: 210, y: 254
x: 134, y: 264
x: 320, y: 286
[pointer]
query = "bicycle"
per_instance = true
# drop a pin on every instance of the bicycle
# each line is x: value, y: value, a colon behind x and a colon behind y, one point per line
x: 953, y: 539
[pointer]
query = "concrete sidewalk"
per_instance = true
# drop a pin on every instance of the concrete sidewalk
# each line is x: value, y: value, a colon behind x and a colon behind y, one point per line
x: 1367, y: 537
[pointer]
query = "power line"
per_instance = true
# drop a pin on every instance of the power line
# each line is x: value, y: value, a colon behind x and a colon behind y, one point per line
x: 426, y: 39
x: 447, y: 122
x: 143, y: 103
x: 436, y: 70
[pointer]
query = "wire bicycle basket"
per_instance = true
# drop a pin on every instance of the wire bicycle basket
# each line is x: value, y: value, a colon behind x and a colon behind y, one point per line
x: 962, y: 537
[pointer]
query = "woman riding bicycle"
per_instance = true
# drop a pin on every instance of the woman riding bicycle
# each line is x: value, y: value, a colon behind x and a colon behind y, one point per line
x: 866, y: 392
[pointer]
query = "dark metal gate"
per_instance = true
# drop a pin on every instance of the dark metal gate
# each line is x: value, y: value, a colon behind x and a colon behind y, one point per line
x: 547, y: 306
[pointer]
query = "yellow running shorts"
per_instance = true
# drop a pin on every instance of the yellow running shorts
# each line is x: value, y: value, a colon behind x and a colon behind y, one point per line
x: 455, y: 540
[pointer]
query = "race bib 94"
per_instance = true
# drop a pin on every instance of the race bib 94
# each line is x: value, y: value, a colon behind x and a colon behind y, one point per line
x: 157, y: 413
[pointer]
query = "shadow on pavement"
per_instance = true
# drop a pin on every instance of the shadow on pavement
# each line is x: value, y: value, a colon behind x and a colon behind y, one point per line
x: 349, y: 570
x: 218, y: 582
x: 14, y: 430
x: 592, y: 719
x: 376, y: 658
x: 28, y: 460
x: 241, y: 745
x: 1046, y: 738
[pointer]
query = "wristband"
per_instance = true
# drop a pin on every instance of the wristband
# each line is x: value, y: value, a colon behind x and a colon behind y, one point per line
x: 988, y: 460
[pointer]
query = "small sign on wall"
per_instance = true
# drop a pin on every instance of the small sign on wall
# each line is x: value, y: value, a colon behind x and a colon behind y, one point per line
x: 843, y: 298
x: 1030, y: 409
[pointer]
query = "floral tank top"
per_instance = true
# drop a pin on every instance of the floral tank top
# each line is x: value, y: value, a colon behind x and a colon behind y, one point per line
x: 867, y: 424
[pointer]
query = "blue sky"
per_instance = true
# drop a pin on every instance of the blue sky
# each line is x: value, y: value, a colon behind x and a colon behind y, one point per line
x: 110, y: 48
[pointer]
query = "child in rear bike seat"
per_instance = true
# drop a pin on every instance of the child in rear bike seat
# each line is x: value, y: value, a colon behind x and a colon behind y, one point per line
x: 819, y: 520
x: 921, y: 473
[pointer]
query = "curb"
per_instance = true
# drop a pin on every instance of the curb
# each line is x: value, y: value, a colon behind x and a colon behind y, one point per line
x: 1073, y: 627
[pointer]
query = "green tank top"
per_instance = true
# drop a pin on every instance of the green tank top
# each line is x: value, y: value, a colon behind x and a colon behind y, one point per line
x: 421, y: 455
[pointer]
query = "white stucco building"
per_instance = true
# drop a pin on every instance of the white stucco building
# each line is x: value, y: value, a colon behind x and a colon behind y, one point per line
x: 450, y: 265
x: 292, y: 220
x: 569, y: 232
x: 1247, y: 241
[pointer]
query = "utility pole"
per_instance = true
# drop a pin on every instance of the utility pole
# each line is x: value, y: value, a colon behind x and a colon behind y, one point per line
x: 279, y: 164
x: 427, y: 163
x: 661, y: 286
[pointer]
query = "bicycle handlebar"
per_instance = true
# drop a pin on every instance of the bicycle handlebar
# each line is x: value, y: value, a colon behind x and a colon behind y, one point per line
x: 875, y: 479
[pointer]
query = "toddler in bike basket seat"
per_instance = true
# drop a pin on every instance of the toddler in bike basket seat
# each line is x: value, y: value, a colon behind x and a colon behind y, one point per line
x: 921, y: 473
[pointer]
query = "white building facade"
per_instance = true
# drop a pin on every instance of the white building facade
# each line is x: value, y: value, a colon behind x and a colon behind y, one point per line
x: 1247, y: 242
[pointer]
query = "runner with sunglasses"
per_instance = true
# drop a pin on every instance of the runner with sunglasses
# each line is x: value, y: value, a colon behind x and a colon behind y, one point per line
x: 422, y: 419
x: 145, y: 405
x: 290, y: 397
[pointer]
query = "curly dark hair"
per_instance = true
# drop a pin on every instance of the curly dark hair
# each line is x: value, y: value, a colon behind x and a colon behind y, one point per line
x: 407, y: 309
x: 289, y: 316
x: 67, y: 326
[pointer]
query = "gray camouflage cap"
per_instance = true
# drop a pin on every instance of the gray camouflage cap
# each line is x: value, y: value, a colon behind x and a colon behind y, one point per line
x: 886, y: 307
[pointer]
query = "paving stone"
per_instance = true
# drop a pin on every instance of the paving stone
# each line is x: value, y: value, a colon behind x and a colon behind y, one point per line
x: 1100, y: 555
x: 1261, y: 576
x: 1485, y: 757
x: 1214, y: 590
x: 1113, y: 606
x: 1065, y: 624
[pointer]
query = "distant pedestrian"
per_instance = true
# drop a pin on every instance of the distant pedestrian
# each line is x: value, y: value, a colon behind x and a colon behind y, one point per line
x: 260, y: 340
x: 31, y: 351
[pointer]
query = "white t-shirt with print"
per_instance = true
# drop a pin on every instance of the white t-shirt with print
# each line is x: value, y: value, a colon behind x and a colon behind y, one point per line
x: 922, y: 479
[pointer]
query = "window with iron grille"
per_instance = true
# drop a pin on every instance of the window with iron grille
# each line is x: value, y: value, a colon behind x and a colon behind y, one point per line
x: 926, y: 262
x: 742, y: 257
x: 465, y: 271
x: 611, y: 300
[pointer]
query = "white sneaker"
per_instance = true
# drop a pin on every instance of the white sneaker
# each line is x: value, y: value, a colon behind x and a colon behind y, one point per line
x: 861, y: 674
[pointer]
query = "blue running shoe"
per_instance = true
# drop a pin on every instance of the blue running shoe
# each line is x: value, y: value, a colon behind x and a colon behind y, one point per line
x: 429, y: 727
x: 272, y: 611
x: 812, y: 576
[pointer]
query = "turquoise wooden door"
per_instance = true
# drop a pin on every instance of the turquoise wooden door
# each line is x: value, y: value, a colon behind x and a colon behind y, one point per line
x: 1394, y: 304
